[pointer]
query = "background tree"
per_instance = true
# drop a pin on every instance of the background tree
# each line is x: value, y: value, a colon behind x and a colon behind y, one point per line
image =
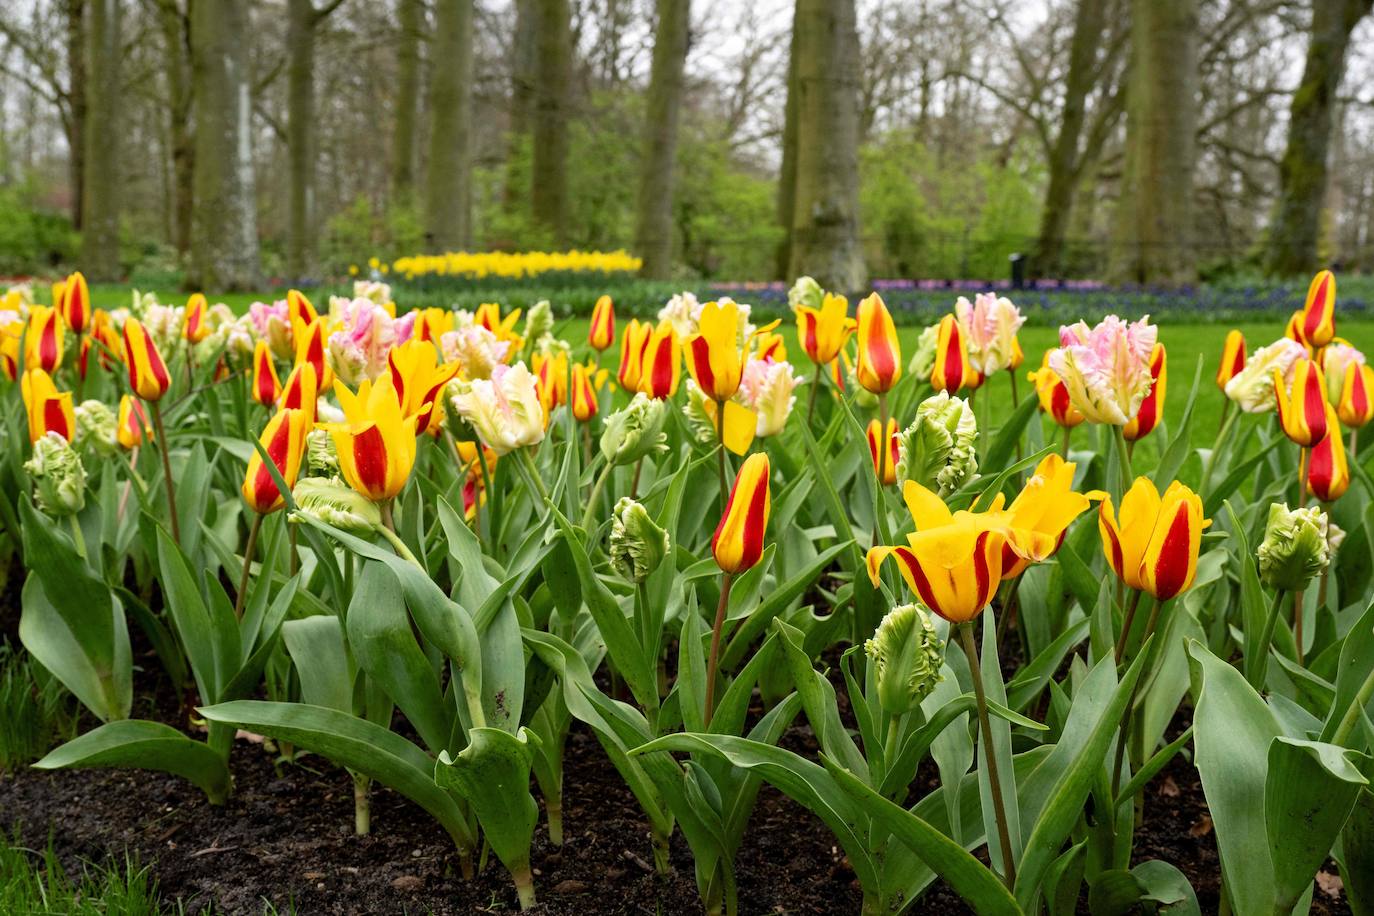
x: 103, y: 137
x: 553, y: 74
x: 410, y: 32
x: 448, y: 191
x: 654, y: 231
x: 303, y: 20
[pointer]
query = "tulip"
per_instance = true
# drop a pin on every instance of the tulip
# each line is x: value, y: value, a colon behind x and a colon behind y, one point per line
x: 284, y: 441
x: 330, y: 501
x: 505, y: 410
x: 1356, y: 406
x: 376, y: 442
x: 658, y: 366
x: 1152, y: 408
x: 823, y: 331
x: 96, y: 428
x: 635, y: 431
x: 147, y: 372
x: 266, y: 385
x: 75, y: 303
x: 432, y: 324
x: 312, y: 347
x: 43, y: 342
x: 104, y: 333
x: 923, y: 360
x: 1319, y: 311
x: 838, y: 370
x: 713, y: 352
x: 637, y: 544
x: 133, y: 426
x: 538, y: 321
x: 1333, y: 359
x: 551, y: 374
x: 194, y: 327
x: 59, y: 480
x: 49, y: 411
x: 601, y: 334
x: 1106, y: 368
x: 888, y: 466
x: 1232, y: 358
x: 1295, y: 549
x: 1293, y: 330
x: 939, y: 450
x: 952, y: 370
x: 298, y: 308
x: 1253, y: 387
x: 735, y: 430
x: 632, y: 345
x: 358, y: 349
x: 907, y: 655
x: 300, y: 392
x: 1047, y: 504
x: 988, y: 326
x: 880, y: 353
x: 1054, y: 396
x: 805, y: 293
x: 418, y: 377
x: 766, y: 390
x: 1018, y: 357
x: 1155, y: 546
x: 273, y: 324
x: 476, y: 350
x: 1302, y: 408
x: 1328, y: 473
x: 83, y: 357
x: 583, y: 395
x: 771, y: 347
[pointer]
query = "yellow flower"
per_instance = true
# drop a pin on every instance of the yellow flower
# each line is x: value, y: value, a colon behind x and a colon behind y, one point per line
x: 376, y: 442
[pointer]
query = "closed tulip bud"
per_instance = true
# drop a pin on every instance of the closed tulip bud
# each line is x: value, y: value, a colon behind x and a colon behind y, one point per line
x: 923, y: 361
x: 1018, y: 356
x: 824, y: 328
x: 134, y: 427
x: 906, y: 654
x: 1293, y: 330
x: 45, y: 339
x: 49, y: 411
x: 738, y: 542
x: 583, y: 395
x: 284, y: 441
x: 1302, y: 407
x: 635, y: 431
x: 952, y: 370
x: 887, y: 466
x: 637, y: 544
x: 194, y: 326
x: 1232, y: 358
x: 1152, y: 408
x: 1319, y: 311
x: 300, y: 391
x: 1334, y: 358
x: 660, y: 369
x: 538, y: 320
x: 59, y: 478
x: 1252, y: 389
x: 298, y: 308
x: 880, y: 353
x: 76, y: 303
x: 148, y: 375
x: 312, y: 347
x: 1356, y: 406
x: 1054, y: 396
x: 1295, y: 548
x: 96, y: 428
x: 376, y: 443
x: 1155, y: 545
x: 805, y: 293
x: 601, y: 334
x: 505, y: 410
x: 1328, y: 473
x: 330, y: 501
x: 632, y: 344
x: 321, y: 455
x: 266, y: 385
x: 1335, y: 537
x: 939, y: 450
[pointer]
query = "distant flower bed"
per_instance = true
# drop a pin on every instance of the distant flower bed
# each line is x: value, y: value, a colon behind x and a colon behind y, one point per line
x: 471, y: 266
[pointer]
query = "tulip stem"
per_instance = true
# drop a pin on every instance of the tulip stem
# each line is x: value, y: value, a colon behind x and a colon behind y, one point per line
x: 1123, y: 452
x: 989, y: 753
x: 248, y: 549
x: 1068, y: 431
x: 1259, y: 667
x: 1353, y: 438
x: 634, y: 481
x: 589, y: 514
x: 163, y: 447
x: 720, y: 455
x: 1302, y: 477
x: 1297, y: 622
x: 1126, y: 624
x: 726, y: 580
x: 1228, y: 418
x: 78, y: 538
x: 816, y: 386
x: 1015, y: 402
x: 884, y: 446
x: 1130, y: 703
x: 1354, y: 711
x: 533, y: 472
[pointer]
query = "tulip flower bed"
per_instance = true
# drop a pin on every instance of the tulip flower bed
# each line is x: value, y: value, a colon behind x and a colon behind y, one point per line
x: 355, y: 608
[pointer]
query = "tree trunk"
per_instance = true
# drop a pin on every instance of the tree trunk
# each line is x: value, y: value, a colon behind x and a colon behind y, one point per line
x: 553, y: 77
x: 100, y: 198
x: 300, y: 137
x: 76, y: 91
x: 177, y: 52
x: 224, y: 239
x: 523, y: 64
x: 1064, y: 159
x: 411, y: 17
x: 654, y: 234
x: 825, y: 219
x: 1296, y: 229
x: 1156, y: 233
x: 787, y: 174
x: 449, y: 189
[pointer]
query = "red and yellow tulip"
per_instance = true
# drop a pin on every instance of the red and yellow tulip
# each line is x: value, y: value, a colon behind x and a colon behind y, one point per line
x: 49, y: 410
x: 713, y: 354
x: 298, y: 308
x: 880, y: 353
x: 133, y: 426
x: 1046, y: 505
x: 418, y: 377
x: 1232, y: 358
x: 45, y: 339
x: 193, y: 326
x: 824, y: 331
x: 1152, y: 408
x: 266, y: 385
x: 1328, y: 473
x: 1054, y: 396
x: 284, y: 442
x: 312, y: 347
x: 1356, y: 406
x: 1302, y: 407
x: 76, y: 303
x: 551, y: 379
x: 632, y: 345
x: 583, y: 394
x: 952, y: 370
x: 147, y: 372
x: 659, y: 368
x: 1154, y: 547
x: 771, y: 346
x: 300, y: 392
x: 738, y: 542
x: 889, y: 465
x: 601, y: 334
x: 376, y: 442
x: 1318, y: 320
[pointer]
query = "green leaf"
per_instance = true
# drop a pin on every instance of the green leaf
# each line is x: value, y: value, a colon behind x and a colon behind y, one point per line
x: 1079, y: 577
x: 775, y: 603
x: 1114, y: 892
x: 316, y: 646
x: 103, y: 679
x: 1356, y: 663
x: 1177, y: 453
x: 357, y: 744
x: 1357, y: 859
x: 999, y: 453
x: 149, y: 746
x: 1028, y: 683
x: 211, y: 641
x: 1165, y: 886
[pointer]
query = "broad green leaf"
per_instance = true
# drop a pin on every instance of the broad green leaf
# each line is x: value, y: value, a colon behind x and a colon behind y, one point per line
x: 316, y: 646
x: 211, y: 643
x: 775, y: 603
x: 999, y: 453
x: 149, y: 746
x: 102, y: 680
x: 1167, y: 888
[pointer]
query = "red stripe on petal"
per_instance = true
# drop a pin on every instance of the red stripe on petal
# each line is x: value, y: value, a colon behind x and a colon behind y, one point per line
x: 370, y: 459
x: 1171, y: 570
x: 701, y: 359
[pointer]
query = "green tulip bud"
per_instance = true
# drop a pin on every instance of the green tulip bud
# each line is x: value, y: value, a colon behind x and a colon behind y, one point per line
x: 538, y: 320
x: 637, y: 544
x: 923, y: 361
x: 59, y: 479
x: 334, y: 502
x: 1295, y: 547
x: 807, y: 292
x: 96, y: 428
x: 321, y: 455
x: 906, y: 656
x: 1335, y: 536
x: 939, y: 449
x: 635, y: 430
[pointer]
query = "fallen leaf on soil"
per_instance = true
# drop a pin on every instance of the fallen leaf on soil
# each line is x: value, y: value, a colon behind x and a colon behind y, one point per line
x: 1201, y: 828
x: 1331, y: 885
x: 1169, y: 788
x: 407, y: 883
x: 313, y: 875
x: 570, y: 887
